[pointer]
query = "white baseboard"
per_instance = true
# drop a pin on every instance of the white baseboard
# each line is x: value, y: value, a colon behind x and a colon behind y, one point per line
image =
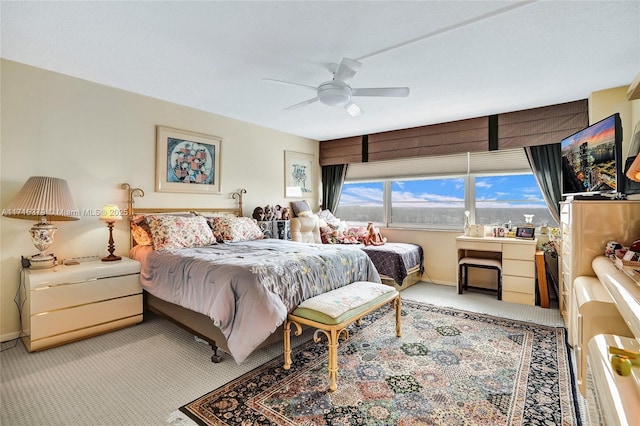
x: 9, y: 336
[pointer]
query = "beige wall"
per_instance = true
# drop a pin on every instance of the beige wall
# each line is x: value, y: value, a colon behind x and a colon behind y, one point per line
x: 603, y: 103
x: 97, y: 137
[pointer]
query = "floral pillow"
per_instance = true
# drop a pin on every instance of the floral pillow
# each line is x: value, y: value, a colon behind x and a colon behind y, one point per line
x: 171, y: 232
x: 235, y: 229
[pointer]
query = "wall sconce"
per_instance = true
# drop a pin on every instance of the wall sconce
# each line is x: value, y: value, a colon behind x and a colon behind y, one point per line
x: 43, y: 198
x: 110, y: 213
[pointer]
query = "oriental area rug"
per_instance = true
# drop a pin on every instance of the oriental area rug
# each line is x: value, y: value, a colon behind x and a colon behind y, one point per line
x: 450, y: 367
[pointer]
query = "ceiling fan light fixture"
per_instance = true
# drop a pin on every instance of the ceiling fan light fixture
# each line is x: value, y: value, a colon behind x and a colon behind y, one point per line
x: 353, y: 109
x: 334, y: 93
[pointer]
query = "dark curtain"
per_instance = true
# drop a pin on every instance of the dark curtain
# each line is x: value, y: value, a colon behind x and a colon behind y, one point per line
x: 332, y: 180
x: 545, y: 162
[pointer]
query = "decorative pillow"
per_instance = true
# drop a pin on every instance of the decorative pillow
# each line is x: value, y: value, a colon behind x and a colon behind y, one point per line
x: 235, y: 229
x: 299, y: 207
x: 140, y: 231
x: 171, y: 232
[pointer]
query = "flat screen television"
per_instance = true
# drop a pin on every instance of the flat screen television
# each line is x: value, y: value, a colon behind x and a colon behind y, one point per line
x: 592, y: 160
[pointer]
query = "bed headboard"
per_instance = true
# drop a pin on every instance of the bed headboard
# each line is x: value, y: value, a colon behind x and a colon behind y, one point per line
x: 132, y: 193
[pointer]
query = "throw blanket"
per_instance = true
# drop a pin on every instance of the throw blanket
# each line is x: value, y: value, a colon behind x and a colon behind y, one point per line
x: 247, y: 288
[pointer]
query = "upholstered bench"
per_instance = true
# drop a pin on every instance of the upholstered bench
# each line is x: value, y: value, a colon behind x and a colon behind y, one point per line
x: 332, y: 312
x: 477, y: 262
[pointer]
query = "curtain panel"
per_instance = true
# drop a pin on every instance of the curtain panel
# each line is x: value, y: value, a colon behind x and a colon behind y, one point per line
x: 332, y: 181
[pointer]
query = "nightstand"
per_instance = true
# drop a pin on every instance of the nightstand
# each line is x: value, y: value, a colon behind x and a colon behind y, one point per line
x: 72, y: 302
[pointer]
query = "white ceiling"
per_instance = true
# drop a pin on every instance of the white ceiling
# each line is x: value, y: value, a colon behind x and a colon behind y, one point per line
x: 461, y: 59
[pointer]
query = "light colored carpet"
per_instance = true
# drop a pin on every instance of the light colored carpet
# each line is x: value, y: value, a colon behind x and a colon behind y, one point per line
x: 139, y: 375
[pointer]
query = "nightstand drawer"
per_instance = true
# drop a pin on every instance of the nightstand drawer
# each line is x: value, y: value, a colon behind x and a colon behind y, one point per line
x: 80, y: 317
x: 62, y: 296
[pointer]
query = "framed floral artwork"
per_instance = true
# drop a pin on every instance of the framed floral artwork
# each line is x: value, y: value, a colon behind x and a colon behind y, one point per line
x: 187, y: 161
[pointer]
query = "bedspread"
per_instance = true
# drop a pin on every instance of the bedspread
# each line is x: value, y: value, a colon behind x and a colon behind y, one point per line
x: 248, y: 288
x: 395, y: 259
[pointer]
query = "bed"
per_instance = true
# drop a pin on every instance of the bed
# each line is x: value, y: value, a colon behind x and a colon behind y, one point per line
x: 399, y: 264
x: 235, y: 294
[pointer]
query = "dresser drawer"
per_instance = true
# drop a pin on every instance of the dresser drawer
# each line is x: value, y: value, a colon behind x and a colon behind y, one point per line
x: 520, y: 268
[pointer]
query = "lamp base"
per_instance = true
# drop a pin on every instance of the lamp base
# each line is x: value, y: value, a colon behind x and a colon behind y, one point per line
x: 41, y: 261
x: 111, y: 258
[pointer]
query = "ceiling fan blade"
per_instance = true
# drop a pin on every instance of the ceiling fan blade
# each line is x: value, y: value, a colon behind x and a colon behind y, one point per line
x: 400, y: 92
x: 353, y: 109
x: 303, y: 103
x: 289, y: 83
x: 347, y: 69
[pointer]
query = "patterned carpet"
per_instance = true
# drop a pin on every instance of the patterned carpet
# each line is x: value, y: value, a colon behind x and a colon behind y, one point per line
x: 450, y: 367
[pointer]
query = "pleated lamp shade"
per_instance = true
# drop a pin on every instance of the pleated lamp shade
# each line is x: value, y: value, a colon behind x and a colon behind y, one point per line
x: 43, y: 196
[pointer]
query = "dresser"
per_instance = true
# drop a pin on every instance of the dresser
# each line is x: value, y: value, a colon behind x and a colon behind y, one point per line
x: 72, y: 302
x: 586, y: 227
x: 613, y: 399
x: 518, y: 263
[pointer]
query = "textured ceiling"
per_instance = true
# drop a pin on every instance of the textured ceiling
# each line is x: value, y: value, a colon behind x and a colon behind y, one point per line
x: 461, y: 59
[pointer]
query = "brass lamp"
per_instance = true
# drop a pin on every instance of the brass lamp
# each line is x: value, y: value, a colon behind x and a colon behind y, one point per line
x: 43, y: 198
x: 110, y: 213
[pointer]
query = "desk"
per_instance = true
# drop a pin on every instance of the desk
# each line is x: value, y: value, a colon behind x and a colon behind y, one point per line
x: 518, y: 263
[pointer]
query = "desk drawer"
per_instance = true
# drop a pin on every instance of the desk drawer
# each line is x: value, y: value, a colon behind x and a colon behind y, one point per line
x: 520, y: 268
x: 518, y: 251
x: 518, y: 284
x: 521, y: 298
x: 479, y: 245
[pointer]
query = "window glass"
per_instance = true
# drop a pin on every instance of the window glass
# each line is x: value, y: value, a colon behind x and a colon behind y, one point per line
x: 503, y: 198
x: 428, y: 202
x: 361, y: 202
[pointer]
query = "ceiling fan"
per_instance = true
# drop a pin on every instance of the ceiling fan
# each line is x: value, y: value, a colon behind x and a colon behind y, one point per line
x: 337, y: 92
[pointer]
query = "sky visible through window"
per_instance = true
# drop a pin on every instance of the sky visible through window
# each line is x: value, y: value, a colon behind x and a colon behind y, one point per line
x: 494, y: 195
x: 509, y: 190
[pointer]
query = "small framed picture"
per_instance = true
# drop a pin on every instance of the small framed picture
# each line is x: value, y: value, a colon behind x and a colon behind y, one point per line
x: 526, y: 232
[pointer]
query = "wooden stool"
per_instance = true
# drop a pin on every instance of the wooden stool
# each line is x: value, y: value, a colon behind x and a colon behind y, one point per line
x: 478, y: 262
x: 332, y: 312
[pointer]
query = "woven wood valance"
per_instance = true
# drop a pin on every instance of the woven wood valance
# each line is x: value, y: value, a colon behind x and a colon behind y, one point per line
x: 536, y: 126
x: 541, y: 126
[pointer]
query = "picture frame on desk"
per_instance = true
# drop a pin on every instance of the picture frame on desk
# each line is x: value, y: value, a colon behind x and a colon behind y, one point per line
x: 525, y: 232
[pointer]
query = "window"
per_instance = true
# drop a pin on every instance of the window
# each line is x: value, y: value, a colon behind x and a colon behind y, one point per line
x: 436, y: 203
x: 434, y: 192
x: 361, y: 202
x: 503, y: 198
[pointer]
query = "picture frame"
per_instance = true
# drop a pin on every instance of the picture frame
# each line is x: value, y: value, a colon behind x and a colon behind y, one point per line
x: 299, y: 174
x: 525, y: 232
x: 187, y: 162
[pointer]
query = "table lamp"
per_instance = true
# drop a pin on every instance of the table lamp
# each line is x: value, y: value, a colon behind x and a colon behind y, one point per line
x: 110, y: 213
x: 43, y: 198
